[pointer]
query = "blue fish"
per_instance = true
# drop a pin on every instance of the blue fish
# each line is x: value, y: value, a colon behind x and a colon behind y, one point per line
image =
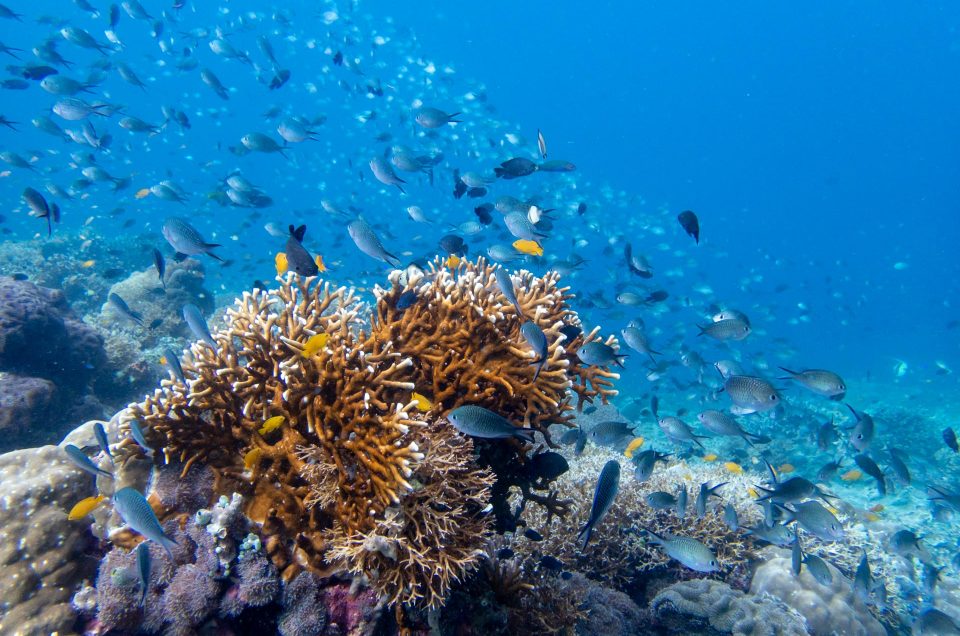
x: 406, y: 300
x: 198, y: 325
x: 137, y: 434
x: 138, y: 514
x: 506, y: 288
x: 101, y: 435
x: 173, y: 361
x: 143, y: 567
x: 81, y: 461
x: 608, y: 485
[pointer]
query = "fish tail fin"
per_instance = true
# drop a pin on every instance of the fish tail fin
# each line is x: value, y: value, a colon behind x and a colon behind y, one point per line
x: 391, y: 259
x: 208, y: 249
x: 584, y: 536
x: 498, y: 172
x: 526, y: 434
x: 451, y: 120
x: 656, y: 538
x: 703, y: 330
x: 618, y: 361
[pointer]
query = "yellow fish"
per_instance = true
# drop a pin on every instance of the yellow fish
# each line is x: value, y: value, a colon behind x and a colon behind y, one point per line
x: 319, y: 261
x: 872, y: 517
x: 423, y: 402
x: 252, y: 457
x: 452, y: 261
x: 528, y: 247
x: 314, y: 344
x: 634, y: 444
x: 734, y: 468
x: 84, y: 507
x: 710, y: 457
x: 142, y: 192
x: 851, y: 475
x: 786, y: 468
x: 86, y: 264
x: 280, y: 260
x: 272, y: 424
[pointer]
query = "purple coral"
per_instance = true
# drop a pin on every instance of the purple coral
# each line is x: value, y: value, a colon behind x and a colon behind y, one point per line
x: 189, y: 492
x: 191, y: 597
x: 303, y: 612
x: 257, y: 585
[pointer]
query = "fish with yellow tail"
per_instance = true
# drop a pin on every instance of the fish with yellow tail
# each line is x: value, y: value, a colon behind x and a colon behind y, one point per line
x: 271, y: 424
x: 528, y: 247
x: 635, y: 444
x: 280, y: 261
x: 422, y: 402
x: 314, y: 345
x: 84, y: 507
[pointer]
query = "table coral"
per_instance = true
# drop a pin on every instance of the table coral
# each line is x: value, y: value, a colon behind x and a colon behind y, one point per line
x: 356, y: 477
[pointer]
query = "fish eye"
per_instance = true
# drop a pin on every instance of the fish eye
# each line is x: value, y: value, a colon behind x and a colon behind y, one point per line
x: 773, y: 397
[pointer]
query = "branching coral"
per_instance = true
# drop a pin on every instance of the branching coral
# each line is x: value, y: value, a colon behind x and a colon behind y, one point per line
x: 354, y: 477
x: 464, y: 338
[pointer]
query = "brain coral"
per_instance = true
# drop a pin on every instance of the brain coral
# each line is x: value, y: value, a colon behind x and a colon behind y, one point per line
x: 356, y: 477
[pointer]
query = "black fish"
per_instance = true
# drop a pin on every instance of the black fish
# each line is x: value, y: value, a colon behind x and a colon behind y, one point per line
x: 870, y: 467
x: 581, y: 209
x: 406, y: 300
x: 298, y: 258
x: 547, y: 466
x: 551, y: 563
x: 572, y: 332
x: 161, y: 266
x: 121, y: 306
x: 690, y: 224
x: 483, y: 213
x: 453, y: 244
x: 532, y: 534
x: 608, y: 484
x: 516, y: 167
x: 950, y: 438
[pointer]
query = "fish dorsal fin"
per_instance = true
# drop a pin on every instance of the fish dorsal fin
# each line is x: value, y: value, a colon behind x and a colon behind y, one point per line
x: 298, y: 232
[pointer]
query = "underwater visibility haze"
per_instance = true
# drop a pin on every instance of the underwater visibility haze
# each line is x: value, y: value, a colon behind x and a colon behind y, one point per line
x: 365, y: 317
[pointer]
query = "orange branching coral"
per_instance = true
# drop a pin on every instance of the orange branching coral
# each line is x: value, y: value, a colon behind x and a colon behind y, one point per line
x: 354, y: 478
x: 417, y: 548
x: 464, y: 338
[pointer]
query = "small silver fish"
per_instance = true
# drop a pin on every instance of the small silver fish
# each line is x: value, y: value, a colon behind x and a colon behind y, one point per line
x: 688, y: 551
x: 368, y: 242
x: 538, y: 342
x: 185, y: 239
x: 81, y: 461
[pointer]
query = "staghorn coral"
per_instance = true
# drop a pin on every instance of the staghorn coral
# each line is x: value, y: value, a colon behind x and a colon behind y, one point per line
x: 463, y: 336
x: 354, y: 478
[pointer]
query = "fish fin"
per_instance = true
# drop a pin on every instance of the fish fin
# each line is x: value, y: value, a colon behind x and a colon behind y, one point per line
x: 585, y: 533
x: 498, y: 172
x: 617, y: 361
x: 786, y: 370
x: 526, y: 434
x: 703, y: 330
x: 451, y: 120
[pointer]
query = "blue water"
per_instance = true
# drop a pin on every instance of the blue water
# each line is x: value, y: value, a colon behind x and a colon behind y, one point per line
x: 816, y: 145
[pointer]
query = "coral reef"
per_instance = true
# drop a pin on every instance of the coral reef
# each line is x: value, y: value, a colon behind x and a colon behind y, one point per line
x: 619, y: 552
x: 704, y: 606
x: 827, y: 610
x: 354, y: 478
x: 134, y: 351
x: 218, y: 571
x: 41, y: 553
x: 49, y: 358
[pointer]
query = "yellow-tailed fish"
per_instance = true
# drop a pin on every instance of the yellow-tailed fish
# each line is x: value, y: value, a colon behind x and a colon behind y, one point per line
x: 84, y: 507
x: 634, y: 444
x: 734, y: 468
x: 710, y: 457
x: 252, y: 457
x: 86, y: 264
x: 851, y: 475
x: 528, y: 247
x: 786, y: 468
x: 319, y: 261
x: 423, y: 402
x: 142, y: 192
x: 314, y: 344
x: 452, y: 261
x: 271, y: 424
x: 872, y: 517
x: 280, y: 260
